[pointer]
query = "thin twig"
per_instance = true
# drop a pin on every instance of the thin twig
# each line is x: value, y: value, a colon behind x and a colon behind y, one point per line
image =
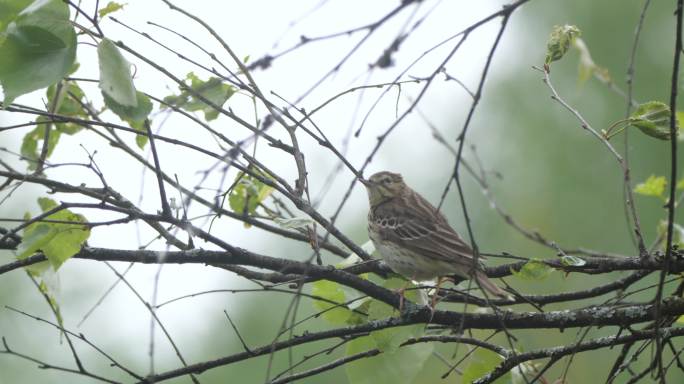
x: 674, y: 87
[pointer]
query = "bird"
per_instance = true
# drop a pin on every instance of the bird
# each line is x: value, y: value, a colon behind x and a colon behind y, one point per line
x: 414, y: 238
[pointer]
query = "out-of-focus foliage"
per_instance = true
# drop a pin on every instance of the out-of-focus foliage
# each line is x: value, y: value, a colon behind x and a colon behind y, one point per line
x: 193, y: 96
x: 38, y: 45
x: 556, y: 179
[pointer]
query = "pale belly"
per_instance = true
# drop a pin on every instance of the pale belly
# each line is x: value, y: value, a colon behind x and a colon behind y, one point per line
x: 412, y: 265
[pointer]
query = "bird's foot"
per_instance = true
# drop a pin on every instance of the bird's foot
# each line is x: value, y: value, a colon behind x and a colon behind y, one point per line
x: 400, y: 291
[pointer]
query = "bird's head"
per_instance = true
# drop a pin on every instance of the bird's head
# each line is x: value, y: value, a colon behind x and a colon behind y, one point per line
x: 384, y: 185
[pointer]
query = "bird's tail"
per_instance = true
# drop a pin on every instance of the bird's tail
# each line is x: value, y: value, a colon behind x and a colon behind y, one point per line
x: 489, y: 285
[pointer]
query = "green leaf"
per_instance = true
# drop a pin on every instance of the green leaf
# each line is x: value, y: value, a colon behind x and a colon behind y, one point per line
x: 115, y: 75
x: 483, y: 361
x: 533, y: 270
x: 341, y: 294
x: 141, y: 141
x: 653, y: 119
x: 248, y: 193
x: 138, y: 112
x: 60, y: 98
x: 335, y: 314
x: 134, y: 116
x: 389, y: 339
x: 111, y: 7
x: 31, y: 145
x: 57, y: 241
x: 559, y: 42
x: 38, y: 48
x: 294, y: 222
x: 653, y: 186
x: 142, y: 138
x: 400, y: 366
x: 65, y: 101
x: 9, y: 9
x: 572, y: 261
x: 45, y: 204
x: 214, y: 90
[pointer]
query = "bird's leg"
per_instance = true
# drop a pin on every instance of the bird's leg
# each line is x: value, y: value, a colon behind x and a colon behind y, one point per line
x: 401, y: 292
x: 401, y: 299
x: 433, y: 303
x: 435, y: 295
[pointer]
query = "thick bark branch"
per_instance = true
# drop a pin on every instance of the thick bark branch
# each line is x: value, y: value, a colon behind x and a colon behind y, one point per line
x: 594, y: 265
x: 555, y: 319
x: 557, y: 352
x: 604, y: 315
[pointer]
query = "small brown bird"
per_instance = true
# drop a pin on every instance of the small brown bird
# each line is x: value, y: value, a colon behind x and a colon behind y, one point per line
x: 414, y: 238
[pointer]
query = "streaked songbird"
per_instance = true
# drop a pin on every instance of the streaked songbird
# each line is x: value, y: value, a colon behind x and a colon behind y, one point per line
x: 414, y: 239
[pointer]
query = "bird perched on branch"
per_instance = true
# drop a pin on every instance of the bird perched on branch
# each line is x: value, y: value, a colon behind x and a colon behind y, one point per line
x: 414, y: 239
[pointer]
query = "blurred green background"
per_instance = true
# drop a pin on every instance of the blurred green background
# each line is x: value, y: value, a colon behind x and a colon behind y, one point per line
x: 556, y: 178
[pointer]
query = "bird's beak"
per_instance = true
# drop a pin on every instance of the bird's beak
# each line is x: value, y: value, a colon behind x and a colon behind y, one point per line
x: 365, y: 182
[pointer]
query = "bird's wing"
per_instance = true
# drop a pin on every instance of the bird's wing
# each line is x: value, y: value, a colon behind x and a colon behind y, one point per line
x: 422, y: 231
x: 441, y: 242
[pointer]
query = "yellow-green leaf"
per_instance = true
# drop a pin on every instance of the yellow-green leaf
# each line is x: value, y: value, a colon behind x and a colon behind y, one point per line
x: 653, y: 186
x: 32, y: 143
x: 533, y: 270
x: 679, y: 115
x: 110, y: 8
x: 248, y: 193
x: 58, y: 241
x: 141, y: 139
x: 213, y: 90
x: 67, y: 100
x: 63, y: 99
x: 680, y: 184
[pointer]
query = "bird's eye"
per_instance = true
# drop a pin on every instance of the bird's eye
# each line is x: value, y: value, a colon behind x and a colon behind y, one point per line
x: 386, y: 180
